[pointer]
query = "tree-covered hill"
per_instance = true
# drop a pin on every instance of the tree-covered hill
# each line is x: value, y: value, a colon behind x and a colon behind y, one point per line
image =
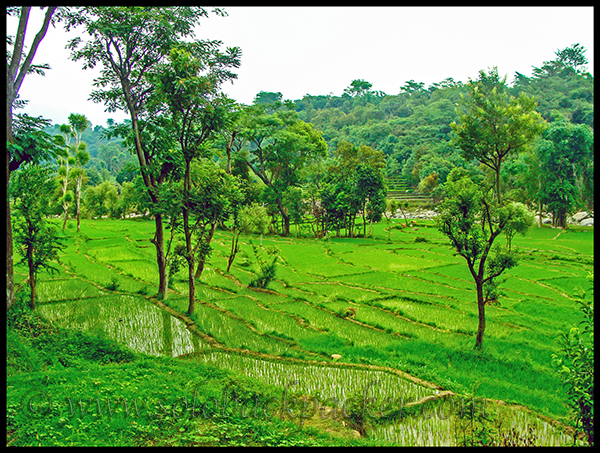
x: 412, y: 127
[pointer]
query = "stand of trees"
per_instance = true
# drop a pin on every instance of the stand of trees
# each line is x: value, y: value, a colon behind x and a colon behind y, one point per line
x: 320, y: 161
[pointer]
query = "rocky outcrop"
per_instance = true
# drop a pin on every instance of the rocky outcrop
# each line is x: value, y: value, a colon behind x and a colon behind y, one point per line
x: 418, y: 213
x: 582, y: 218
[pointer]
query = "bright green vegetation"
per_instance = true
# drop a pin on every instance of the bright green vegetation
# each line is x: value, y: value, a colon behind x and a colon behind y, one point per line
x: 415, y: 312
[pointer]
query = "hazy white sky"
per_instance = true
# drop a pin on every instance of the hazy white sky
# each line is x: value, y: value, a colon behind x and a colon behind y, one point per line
x: 320, y: 50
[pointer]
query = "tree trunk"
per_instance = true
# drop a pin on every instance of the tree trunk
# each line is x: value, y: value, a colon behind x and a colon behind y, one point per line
x: 234, y: 250
x: 66, y: 209
x: 498, y: 185
x: 191, y: 285
x: 31, y: 276
x: 188, y: 240
x: 10, y: 283
x: 78, y: 203
x: 286, y: 224
x: 286, y: 218
x: 202, y: 260
x: 159, y: 243
x: 481, y: 311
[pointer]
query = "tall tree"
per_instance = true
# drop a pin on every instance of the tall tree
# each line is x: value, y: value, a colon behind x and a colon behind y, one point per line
x: 17, y: 67
x: 493, y: 124
x: 472, y: 221
x: 129, y: 42
x: 79, y: 123
x: 573, y: 56
x: 280, y: 145
x: 65, y: 160
x: 564, y: 152
x: 189, y: 86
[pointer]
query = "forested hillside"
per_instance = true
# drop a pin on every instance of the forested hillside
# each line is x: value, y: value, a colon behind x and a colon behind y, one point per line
x: 413, y: 128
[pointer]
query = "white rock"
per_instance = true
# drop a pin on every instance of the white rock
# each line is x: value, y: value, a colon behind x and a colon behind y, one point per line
x: 587, y: 222
x: 336, y: 356
x: 578, y: 217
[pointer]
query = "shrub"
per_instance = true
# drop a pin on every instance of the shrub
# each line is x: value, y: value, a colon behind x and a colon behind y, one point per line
x: 266, y: 267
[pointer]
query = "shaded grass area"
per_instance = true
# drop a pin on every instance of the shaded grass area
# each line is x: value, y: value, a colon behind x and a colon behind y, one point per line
x: 414, y: 302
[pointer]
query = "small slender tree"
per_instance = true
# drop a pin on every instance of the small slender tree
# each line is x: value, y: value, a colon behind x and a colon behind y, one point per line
x: 472, y: 220
x: 79, y: 123
x: 251, y: 219
x: 35, y: 238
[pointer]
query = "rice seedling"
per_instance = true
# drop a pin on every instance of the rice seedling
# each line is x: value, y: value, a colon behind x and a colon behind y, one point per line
x: 325, y: 383
x: 130, y: 320
x: 64, y: 289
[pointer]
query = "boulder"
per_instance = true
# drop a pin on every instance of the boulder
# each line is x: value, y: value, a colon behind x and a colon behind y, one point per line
x: 581, y: 215
x: 587, y: 222
x: 336, y: 356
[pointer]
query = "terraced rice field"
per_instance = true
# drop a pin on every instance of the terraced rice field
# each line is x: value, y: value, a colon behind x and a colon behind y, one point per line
x: 414, y: 304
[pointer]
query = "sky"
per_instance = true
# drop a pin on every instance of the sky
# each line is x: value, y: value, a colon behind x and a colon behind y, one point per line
x: 321, y: 50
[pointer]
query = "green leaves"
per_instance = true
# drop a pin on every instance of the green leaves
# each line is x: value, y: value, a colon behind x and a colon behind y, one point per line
x: 493, y: 124
x: 575, y: 364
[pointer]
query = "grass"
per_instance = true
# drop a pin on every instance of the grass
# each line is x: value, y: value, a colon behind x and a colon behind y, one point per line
x: 414, y: 301
x: 69, y: 388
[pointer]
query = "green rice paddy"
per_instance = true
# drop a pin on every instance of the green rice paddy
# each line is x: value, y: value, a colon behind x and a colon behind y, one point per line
x: 414, y: 304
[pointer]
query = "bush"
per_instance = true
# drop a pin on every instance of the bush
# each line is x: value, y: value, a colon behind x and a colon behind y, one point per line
x: 575, y: 365
x: 266, y: 270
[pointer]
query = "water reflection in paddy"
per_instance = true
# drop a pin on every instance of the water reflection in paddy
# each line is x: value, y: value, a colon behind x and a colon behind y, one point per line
x: 129, y: 320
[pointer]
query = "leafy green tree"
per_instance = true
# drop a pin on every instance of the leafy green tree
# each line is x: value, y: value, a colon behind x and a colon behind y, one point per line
x: 564, y: 152
x: 472, y: 221
x: 268, y: 98
x: 188, y: 88
x: 575, y: 365
x: 293, y: 200
x: 216, y: 194
x: 340, y: 205
x: 573, y: 56
x: 493, y: 124
x: 280, y: 146
x: 71, y: 163
x: 355, y: 184
x: 129, y: 42
x: 36, y: 239
x: 563, y: 90
x: 82, y: 157
x: 358, y: 87
x: 128, y: 199
x: 65, y: 161
x: 370, y: 191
